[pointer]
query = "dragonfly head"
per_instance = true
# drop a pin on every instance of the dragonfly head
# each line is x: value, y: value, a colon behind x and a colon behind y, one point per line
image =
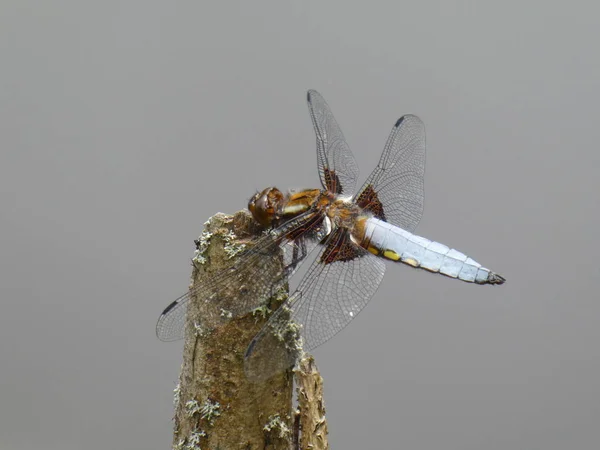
x: 265, y: 205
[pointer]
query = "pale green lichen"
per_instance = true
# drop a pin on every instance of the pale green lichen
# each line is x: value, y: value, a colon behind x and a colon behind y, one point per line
x: 232, y: 247
x: 176, y: 395
x: 289, y: 332
x: 295, y: 343
x: 194, y: 439
x: 191, y: 443
x: 275, y: 423
x: 210, y: 411
x: 192, y: 407
x: 262, y: 311
x: 198, y: 330
x: 281, y: 295
x: 226, y: 314
x: 201, y: 246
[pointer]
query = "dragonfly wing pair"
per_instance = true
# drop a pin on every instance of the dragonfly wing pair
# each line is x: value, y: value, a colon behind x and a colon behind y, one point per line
x: 344, y: 276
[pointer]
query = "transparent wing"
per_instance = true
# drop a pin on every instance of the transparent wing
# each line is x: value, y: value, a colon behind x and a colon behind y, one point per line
x: 394, y: 191
x: 296, y: 239
x: 337, y: 167
x: 329, y: 296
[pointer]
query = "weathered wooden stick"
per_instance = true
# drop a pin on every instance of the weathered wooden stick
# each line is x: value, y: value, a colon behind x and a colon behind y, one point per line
x: 216, y: 405
x: 311, y: 406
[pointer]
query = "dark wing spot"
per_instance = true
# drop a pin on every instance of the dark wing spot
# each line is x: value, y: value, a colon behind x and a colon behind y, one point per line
x: 170, y: 307
x: 369, y: 201
x: 340, y: 248
x: 332, y: 181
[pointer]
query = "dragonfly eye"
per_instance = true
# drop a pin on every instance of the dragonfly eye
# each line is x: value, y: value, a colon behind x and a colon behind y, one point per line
x: 265, y: 205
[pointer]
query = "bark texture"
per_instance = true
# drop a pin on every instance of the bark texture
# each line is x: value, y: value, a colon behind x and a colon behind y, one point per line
x: 310, y: 415
x: 216, y: 405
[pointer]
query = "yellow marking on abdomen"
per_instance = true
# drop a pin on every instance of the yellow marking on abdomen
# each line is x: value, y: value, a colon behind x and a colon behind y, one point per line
x: 391, y: 254
x: 411, y: 262
x: 373, y: 250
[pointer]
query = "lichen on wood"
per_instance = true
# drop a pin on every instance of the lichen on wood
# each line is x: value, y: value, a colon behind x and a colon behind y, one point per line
x: 216, y: 405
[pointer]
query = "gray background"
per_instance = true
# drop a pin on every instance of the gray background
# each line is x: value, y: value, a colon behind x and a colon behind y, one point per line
x: 125, y: 125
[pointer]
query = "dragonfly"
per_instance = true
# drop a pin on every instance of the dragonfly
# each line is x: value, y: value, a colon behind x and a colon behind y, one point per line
x: 355, y: 232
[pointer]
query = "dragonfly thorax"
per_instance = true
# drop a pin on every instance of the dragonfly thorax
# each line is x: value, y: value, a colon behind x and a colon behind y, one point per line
x: 343, y: 213
x: 271, y: 207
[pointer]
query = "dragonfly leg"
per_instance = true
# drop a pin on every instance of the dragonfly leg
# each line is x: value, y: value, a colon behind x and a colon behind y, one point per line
x: 298, y: 254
